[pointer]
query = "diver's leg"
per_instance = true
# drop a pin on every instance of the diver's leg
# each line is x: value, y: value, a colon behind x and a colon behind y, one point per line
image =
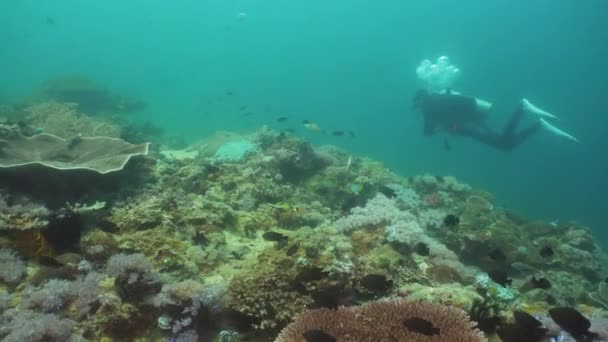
x: 486, y: 136
x: 515, y: 139
x: 511, y: 126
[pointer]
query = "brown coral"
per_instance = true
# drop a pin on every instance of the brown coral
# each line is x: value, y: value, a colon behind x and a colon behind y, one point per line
x: 384, y: 321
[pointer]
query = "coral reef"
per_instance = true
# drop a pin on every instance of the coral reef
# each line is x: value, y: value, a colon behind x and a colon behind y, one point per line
x: 232, y: 237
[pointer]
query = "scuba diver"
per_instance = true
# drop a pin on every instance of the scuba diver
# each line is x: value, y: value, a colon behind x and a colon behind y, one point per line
x: 451, y: 112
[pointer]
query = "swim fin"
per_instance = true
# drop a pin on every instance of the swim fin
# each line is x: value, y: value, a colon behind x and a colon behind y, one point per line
x: 530, y: 108
x: 549, y: 127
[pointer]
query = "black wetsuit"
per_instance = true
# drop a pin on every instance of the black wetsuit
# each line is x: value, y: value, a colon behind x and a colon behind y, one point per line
x: 459, y: 115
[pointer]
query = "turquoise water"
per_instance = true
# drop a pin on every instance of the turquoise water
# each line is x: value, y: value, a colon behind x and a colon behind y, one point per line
x: 345, y: 65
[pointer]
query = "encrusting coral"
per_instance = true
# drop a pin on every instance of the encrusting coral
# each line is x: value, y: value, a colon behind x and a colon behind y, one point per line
x: 384, y: 321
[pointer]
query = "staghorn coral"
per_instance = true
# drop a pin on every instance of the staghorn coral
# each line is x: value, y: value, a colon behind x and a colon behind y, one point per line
x: 383, y: 321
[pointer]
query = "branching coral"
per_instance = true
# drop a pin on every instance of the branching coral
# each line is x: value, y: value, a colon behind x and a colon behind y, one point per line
x: 21, y: 214
x: 385, y: 321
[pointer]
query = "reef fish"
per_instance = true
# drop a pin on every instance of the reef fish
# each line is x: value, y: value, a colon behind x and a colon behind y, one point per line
x: 500, y: 277
x: 279, y: 238
x: 451, y: 221
x: 376, y: 283
x: 546, y: 252
x: 318, y: 336
x: 540, y: 283
x: 573, y: 322
x: 421, y: 326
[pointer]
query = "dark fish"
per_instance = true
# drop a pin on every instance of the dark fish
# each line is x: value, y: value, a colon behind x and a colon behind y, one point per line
x: 526, y: 328
x: 376, y: 283
x: 497, y: 255
x: 305, y: 122
x: 279, y: 238
x: 421, y: 326
x: 50, y: 20
x: 352, y: 134
x: 446, y: 145
x: 572, y: 322
x: 451, y: 221
x: 229, y: 93
x: 318, y: 336
x: 293, y: 249
x: 337, y: 133
x: 421, y: 248
x: 49, y: 261
x: 500, y: 277
x: 311, y: 274
x: 546, y: 252
x: 290, y: 130
x: 243, y: 107
x: 282, y: 119
x: 540, y: 283
x: 247, y: 113
x: 387, y: 191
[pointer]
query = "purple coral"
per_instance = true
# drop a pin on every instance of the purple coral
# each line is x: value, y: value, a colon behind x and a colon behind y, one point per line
x: 135, y: 278
x: 12, y: 267
x: 29, y: 326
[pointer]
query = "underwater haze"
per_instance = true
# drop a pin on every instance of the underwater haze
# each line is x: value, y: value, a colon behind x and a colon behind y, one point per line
x: 346, y: 65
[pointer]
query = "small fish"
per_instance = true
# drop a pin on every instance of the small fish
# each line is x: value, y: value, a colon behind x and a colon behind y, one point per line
x: 573, y: 322
x: 243, y: 107
x: 318, y: 336
x: 422, y: 248
x: 241, y: 16
x: 497, y: 255
x: 421, y: 326
x: 376, y: 283
x: 349, y: 162
x: 446, y: 145
x: 540, y: 283
x: 313, y: 127
x: 525, y: 328
x: 293, y: 249
x: 546, y: 252
x: 387, y: 191
x: 229, y: 92
x: 290, y: 130
x: 500, y: 277
x: 451, y: 221
x: 351, y: 134
x: 247, y: 113
x: 50, y: 20
x: 305, y: 122
x: 337, y: 133
x: 279, y: 238
x: 282, y: 119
